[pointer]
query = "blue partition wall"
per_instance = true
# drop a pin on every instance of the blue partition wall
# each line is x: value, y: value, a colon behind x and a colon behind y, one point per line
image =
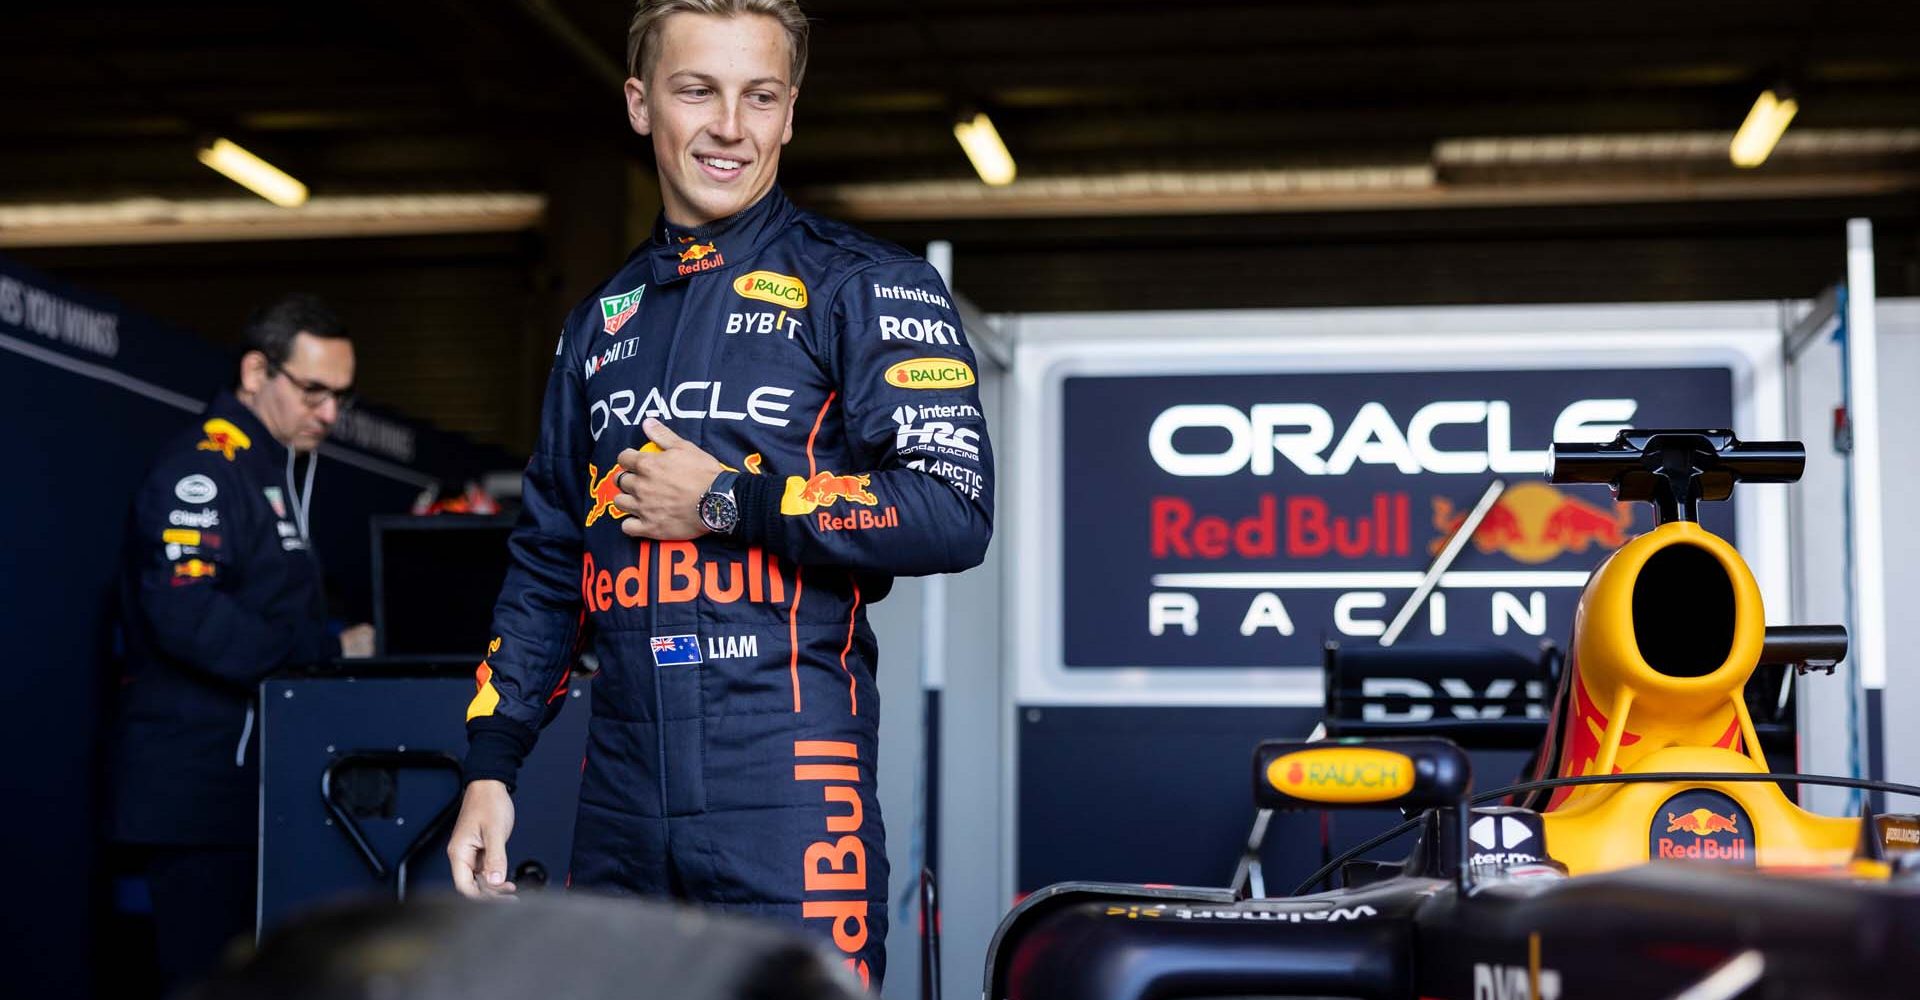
x: 88, y: 392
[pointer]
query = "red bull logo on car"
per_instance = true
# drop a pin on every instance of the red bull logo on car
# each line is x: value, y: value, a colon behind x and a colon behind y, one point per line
x: 224, y: 437
x: 1701, y: 825
x: 1534, y: 523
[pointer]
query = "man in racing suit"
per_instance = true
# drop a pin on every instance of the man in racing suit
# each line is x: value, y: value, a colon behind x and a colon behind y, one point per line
x: 814, y: 383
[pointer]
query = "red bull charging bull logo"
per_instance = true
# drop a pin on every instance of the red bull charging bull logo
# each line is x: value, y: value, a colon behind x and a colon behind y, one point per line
x: 1702, y: 821
x: 193, y: 569
x: 1534, y: 523
x: 602, y: 490
x: 224, y: 437
x: 825, y: 489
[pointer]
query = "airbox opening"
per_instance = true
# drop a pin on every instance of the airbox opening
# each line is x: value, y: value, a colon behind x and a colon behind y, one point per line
x: 1683, y: 612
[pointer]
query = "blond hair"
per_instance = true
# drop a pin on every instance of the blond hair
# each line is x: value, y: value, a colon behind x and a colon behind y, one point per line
x: 643, y: 32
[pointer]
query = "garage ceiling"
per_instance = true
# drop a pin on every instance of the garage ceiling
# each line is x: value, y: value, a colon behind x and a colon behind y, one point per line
x: 1177, y: 155
x: 1110, y: 108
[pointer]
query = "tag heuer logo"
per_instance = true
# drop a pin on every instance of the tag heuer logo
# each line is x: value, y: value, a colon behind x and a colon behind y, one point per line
x: 615, y: 310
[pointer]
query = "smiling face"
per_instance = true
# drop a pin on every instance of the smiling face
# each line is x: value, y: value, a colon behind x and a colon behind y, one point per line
x: 718, y: 103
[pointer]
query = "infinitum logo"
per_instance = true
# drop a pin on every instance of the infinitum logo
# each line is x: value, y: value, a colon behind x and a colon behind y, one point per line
x: 910, y: 295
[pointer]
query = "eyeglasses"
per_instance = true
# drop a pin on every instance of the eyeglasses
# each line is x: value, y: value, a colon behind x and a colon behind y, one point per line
x: 315, y: 394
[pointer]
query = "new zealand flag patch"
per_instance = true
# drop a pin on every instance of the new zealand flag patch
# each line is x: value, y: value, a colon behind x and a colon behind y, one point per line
x: 675, y: 650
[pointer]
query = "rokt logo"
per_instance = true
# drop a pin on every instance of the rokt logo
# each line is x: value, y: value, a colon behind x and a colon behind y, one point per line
x: 920, y: 331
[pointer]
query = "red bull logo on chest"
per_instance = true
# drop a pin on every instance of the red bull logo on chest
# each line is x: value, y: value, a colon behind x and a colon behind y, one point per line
x: 224, y: 437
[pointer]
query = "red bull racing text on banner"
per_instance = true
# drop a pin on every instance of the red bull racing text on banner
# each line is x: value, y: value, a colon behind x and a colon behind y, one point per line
x: 1245, y: 520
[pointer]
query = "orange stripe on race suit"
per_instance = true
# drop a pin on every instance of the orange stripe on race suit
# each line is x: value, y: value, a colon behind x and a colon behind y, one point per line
x: 853, y: 694
x: 793, y: 637
x: 825, y: 748
x: 817, y: 421
x: 825, y: 772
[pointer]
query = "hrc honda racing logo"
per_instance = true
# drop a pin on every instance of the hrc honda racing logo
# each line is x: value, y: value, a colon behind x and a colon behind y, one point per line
x: 921, y: 431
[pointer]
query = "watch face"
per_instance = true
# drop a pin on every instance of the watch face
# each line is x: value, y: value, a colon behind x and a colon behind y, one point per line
x: 718, y: 512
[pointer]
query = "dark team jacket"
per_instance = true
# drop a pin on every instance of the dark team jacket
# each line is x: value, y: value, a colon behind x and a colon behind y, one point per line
x: 220, y: 589
x: 825, y: 365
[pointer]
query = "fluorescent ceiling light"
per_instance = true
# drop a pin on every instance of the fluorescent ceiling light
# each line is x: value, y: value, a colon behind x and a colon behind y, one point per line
x: 1762, y: 129
x: 988, y: 154
x: 253, y: 173
x: 1663, y: 147
x: 155, y: 220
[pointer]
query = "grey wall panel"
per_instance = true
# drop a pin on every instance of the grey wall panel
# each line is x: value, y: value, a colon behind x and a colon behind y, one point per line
x: 970, y: 850
x: 1899, y: 323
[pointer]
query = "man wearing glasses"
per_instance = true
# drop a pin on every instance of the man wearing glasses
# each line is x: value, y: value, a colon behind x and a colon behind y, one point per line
x: 221, y: 588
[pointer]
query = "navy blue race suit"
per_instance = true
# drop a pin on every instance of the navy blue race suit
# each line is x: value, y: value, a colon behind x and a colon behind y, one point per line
x: 731, y: 754
x: 220, y: 589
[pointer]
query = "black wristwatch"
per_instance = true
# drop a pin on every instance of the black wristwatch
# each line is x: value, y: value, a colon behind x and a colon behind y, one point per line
x: 718, y: 511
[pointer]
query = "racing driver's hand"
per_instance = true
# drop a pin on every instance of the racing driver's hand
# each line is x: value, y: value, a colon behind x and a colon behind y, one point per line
x: 662, y: 485
x: 478, y: 847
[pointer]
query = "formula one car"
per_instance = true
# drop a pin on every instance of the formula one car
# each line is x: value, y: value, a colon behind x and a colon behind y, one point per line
x: 1654, y: 854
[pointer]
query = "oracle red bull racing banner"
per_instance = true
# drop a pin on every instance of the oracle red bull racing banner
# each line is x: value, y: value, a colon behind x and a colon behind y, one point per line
x: 1245, y: 520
